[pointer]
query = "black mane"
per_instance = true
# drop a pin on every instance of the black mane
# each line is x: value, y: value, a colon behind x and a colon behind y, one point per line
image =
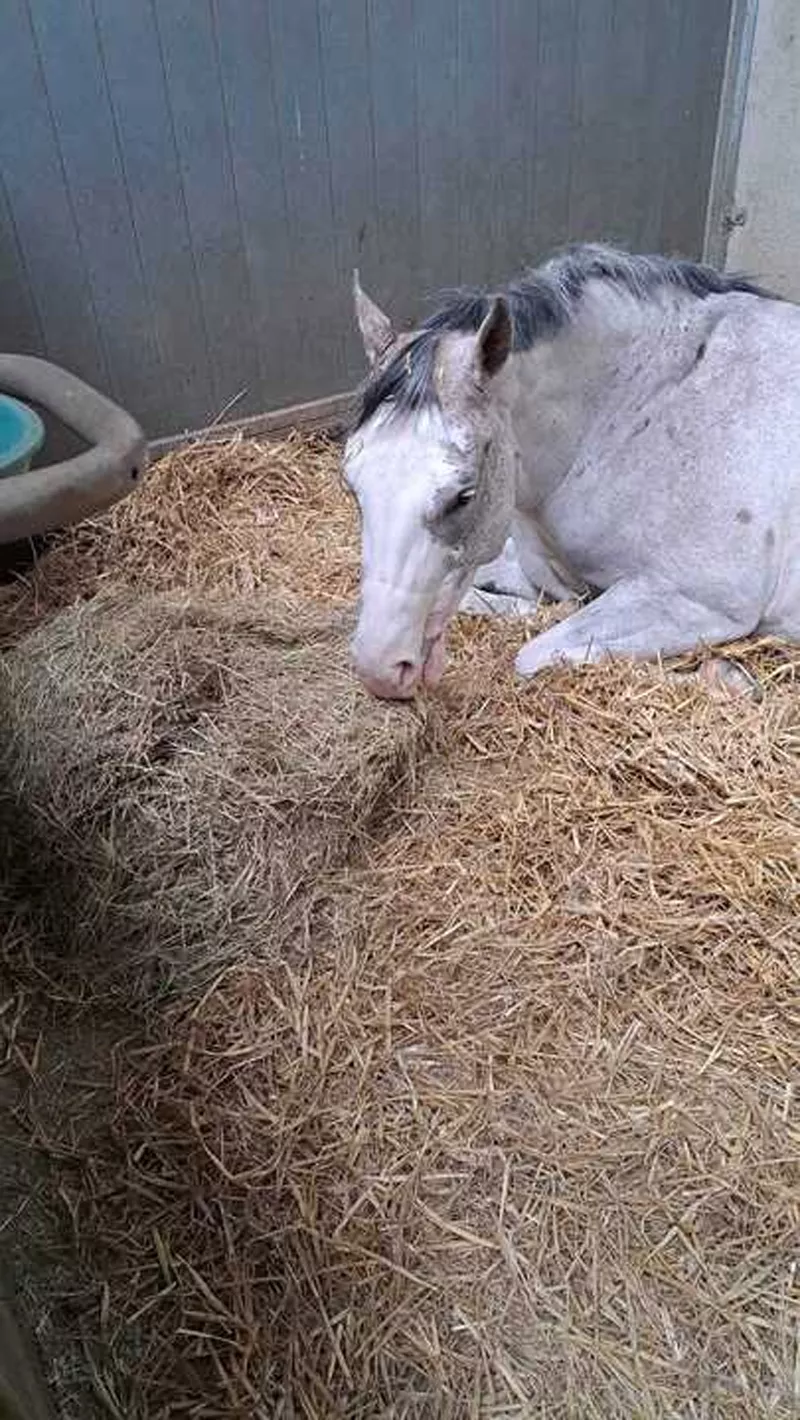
x: 540, y: 304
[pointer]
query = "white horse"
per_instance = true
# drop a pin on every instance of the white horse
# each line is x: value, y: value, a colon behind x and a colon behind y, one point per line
x: 613, y: 424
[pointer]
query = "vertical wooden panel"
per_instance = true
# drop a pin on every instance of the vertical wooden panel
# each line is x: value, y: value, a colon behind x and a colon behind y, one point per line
x: 301, y: 109
x: 631, y: 172
x: 393, y: 59
x: 188, y: 45
x: 186, y: 185
x: 516, y: 136
x: 555, y: 118
x: 698, y: 75
x: 256, y: 142
x: 439, y: 143
x: 478, y: 79
x: 39, y: 199
x: 20, y: 326
x: 660, y: 117
x: 595, y: 153
x: 350, y: 128
x: 73, y: 74
x: 129, y: 46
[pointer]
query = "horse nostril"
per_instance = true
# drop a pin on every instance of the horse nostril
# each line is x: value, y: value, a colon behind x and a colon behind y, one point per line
x: 395, y: 680
x: 406, y: 674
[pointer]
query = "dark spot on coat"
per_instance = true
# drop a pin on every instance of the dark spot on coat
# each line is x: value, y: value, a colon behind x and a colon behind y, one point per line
x: 701, y: 350
x: 744, y: 516
x: 640, y: 428
x: 769, y: 537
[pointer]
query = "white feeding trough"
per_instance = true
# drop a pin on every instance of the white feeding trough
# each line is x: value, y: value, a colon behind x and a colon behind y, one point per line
x: 40, y: 500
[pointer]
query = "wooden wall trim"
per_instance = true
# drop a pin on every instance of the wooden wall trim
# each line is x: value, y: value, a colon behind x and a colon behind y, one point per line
x: 322, y: 416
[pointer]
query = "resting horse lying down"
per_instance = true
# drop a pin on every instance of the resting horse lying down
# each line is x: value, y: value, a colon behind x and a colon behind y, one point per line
x: 620, y: 425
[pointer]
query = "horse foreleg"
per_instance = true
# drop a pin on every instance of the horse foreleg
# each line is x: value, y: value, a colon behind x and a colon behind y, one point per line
x: 505, y: 576
x: 640, y: 618
x: 478, y: 602
x: 505, y: 587
x: 500, y: 588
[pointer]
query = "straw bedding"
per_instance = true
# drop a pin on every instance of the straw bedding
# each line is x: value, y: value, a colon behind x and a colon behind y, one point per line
x: 498, y: 1114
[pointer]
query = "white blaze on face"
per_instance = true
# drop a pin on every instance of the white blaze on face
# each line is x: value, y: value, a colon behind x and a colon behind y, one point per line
x: 411, y: 580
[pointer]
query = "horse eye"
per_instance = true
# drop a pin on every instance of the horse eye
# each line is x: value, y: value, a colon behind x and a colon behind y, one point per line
x: 461, y: 500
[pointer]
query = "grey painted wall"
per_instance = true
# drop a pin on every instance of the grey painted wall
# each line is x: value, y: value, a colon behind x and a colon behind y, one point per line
x: 185, y: 185
x: 766, y: 237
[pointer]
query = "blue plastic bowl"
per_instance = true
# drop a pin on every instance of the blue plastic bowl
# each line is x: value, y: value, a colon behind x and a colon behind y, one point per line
x: 21, y: 435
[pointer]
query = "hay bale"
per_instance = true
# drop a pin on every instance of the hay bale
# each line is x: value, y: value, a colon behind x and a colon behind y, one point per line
x: 180, y: 773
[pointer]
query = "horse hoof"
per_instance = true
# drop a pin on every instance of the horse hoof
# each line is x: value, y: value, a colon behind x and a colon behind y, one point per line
x: 724, y: 677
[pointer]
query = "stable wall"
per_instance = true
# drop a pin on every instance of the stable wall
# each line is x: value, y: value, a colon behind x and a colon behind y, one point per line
x: 765, y: 217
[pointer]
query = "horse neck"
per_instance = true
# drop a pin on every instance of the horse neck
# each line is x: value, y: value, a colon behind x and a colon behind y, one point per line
x: 564, y: 382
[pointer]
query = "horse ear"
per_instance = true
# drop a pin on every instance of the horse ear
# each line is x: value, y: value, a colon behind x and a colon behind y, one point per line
x: 494, y: 338
x: 376, y: 328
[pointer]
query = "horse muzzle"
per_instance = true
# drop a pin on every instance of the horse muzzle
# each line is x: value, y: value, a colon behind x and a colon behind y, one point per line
x: 394, y: 662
